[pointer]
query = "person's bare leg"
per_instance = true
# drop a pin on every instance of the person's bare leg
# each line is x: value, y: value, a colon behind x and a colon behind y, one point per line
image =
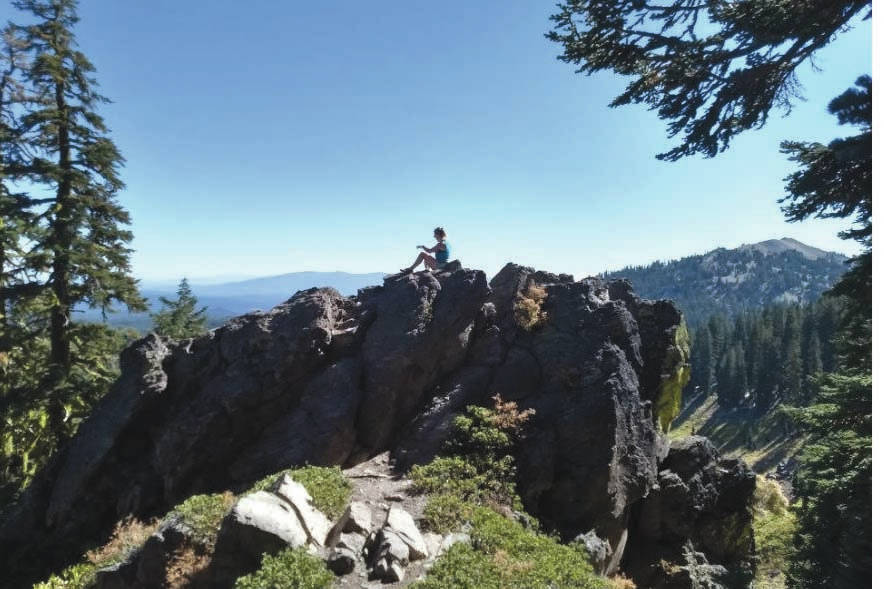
x: 428, y: 260
x: 417, y: 260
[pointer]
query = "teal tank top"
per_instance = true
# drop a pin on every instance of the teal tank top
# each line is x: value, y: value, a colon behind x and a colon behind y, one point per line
x: 442, y: 255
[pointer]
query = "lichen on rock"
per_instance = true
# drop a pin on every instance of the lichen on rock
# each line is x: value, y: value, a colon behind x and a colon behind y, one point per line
x: 676, y: 374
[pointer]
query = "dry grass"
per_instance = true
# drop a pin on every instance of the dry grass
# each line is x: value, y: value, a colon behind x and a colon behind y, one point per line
x: 128, y: 535
x: 187, y: 568
x: 621, y: 582
x: 528, y: 308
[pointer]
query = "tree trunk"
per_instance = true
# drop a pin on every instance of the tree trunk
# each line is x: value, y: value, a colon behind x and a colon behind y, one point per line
x: 4, y: 310
x: 62, y: 240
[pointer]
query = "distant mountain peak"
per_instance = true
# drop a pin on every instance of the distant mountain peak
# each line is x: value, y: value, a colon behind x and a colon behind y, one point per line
x: 778, y: 246
x: 730, y: 281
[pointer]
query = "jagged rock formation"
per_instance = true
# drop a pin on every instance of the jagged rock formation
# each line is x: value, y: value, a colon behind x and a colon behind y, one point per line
x: 695, y: 513
x: 327, y: 379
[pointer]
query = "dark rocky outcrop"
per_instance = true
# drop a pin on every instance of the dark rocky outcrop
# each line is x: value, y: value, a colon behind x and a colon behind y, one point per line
x: 697, y: 512
x: 327, y: 379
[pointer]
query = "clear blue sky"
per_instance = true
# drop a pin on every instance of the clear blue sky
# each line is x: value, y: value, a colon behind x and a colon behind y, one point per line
x: 278, y: 136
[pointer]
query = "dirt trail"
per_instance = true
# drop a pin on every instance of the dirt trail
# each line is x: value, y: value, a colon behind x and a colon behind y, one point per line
x: 376, y: 483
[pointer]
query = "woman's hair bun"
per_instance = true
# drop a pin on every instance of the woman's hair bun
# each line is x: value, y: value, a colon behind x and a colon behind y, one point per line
x: 439, y: 230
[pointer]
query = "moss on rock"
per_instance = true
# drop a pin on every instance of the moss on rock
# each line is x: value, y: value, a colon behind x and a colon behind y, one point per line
x: 676, y: 374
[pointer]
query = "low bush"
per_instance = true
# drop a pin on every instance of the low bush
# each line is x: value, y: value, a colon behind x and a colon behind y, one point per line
x: 477, y: 469
x: 449, y: 475
x: 528, y: 308
x: 503, y: 554
x: 290, y: 569
x: 203, y: 515
x: 327, y: 485
x: 78, y: 576
x: 188, y: 567
x: 446, y: 512
x: 128, y: 535
x: 774, y: 526
x: 621, y: 582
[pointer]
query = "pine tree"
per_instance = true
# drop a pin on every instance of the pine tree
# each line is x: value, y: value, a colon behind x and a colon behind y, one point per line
x: 752, y: 338
x: 711, y: 69
x: 20, y: 261
x: 835, y: 180
x: 62, y: 242
x: 180, y: 318
x: 741, y: 384
x: 833, y: 538
x: 834, y: 486
x: 718, y: 329
x: 732, y: 384
x: 813, y: 356
x: 739, y: 329
x: 793, y: 368
x: 75, y: 157
x: 829, y: 310
x: 769, y: 370
x: 702, y: 366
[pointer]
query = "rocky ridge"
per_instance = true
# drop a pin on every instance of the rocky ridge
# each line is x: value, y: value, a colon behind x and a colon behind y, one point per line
x: 331, y: 380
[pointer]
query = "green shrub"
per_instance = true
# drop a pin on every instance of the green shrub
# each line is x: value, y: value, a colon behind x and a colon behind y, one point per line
x: 203, y: 515
x: 290, y: 569
x: 470, y: 485
x: 446, y: 512
x: 464, y: 567
x: 484, y: 432
x: 478, y: 468
x: 774, y: 527
x: 452, y: 475
x: 503, y: 554
x: 327, y: 485
x: 476, y: 433
x: 78, y: 576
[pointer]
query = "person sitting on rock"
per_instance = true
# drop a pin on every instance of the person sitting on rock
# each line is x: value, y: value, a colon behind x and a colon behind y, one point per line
x: 441, y: 250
